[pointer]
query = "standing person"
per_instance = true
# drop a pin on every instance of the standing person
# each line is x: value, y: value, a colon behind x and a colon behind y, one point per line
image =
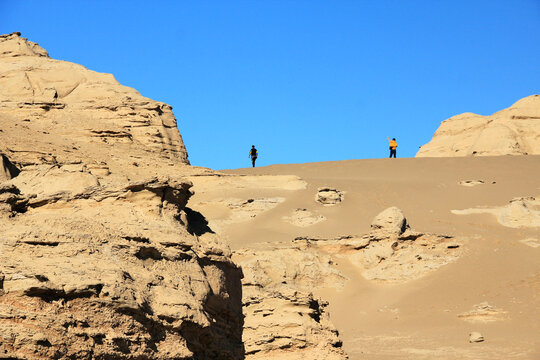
x: 393, y: 146
x: 253, y: 154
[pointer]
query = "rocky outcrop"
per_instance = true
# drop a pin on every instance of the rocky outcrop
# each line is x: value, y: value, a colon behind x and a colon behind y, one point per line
x: 483, y: 312
x: 283, y: 319
x: 13, y: 45
x: 512, y: 131
x: 521, y: 212
x: 54, y: 111
x: 101, y: 272
x: 100, y: 257
x: 391, y: 252
x: 303, y: 218
x: 475, y: 337
x: 329, y: 196
x: 390, y: 221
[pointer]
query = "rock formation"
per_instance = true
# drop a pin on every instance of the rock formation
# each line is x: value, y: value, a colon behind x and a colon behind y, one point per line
x: 329, y: 196
x: 512, y: 131
x: 475, y: 337
x: 483, y: 312
x: 303, y: 218
x: 283, y: 320
x: 7, y: 169
x: 55, y: 111
x: 390, y: 221
x: 521, y: 212
x: 100, y: 255
x: 391, y: 252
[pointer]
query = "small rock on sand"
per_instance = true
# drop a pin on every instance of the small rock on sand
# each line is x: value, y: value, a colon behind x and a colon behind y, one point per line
x: 329, y: 196
x: 471, y: 182
x: 391, y: 221
x: 532, y: 242
x: 475, y: 337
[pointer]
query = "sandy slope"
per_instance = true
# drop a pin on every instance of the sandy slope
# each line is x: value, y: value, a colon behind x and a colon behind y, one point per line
x: 417, y: 319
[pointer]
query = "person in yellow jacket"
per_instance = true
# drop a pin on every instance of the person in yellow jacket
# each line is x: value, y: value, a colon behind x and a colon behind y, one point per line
x: 393, y: 146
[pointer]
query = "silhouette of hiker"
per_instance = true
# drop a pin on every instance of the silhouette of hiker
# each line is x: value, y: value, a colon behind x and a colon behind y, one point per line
x: 393, y: 146
x: 253, y: 154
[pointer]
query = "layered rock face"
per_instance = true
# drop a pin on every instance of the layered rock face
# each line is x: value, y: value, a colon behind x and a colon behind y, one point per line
x: 100, y: 257
x: 283, y: 319
x: 512, y: 131
x: 55, y: 111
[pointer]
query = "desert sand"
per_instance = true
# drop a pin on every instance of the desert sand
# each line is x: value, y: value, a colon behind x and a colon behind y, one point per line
x: 488, y: 283
x: 113, y: 247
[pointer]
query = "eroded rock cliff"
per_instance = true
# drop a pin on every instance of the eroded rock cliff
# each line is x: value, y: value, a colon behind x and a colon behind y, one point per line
x: 54, y: 111
x: 100, y: 257
x: 512, y: 131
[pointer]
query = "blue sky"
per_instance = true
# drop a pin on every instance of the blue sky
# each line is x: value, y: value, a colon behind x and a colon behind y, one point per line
x: 302, y: 80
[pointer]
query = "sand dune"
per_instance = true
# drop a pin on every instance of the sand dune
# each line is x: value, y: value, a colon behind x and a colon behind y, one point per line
x: 487, y: 282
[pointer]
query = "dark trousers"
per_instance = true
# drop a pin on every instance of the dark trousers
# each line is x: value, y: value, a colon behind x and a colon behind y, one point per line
x: 253, y: 160
x: 393, y: 153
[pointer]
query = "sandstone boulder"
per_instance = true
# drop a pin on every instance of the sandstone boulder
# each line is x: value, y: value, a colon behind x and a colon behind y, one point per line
x: 512, y: 131
x: 475, y: 337
x: 329, y: 196
x: 390, y: 221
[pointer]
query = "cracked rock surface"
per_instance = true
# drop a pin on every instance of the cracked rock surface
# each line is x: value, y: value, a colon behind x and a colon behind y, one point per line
x: 100, y: 257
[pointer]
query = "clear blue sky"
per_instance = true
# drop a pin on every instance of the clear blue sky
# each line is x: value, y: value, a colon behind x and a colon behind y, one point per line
x: 302, y: 80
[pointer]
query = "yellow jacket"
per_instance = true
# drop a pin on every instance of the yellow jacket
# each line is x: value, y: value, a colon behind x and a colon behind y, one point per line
x: 393, y: 144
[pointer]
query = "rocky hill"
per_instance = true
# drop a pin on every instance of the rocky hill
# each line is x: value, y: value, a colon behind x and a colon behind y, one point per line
x: 512, y: 131
x: 100, y: 256
x: 57, y: 112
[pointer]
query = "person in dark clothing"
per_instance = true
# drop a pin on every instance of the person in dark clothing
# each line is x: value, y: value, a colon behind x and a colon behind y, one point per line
x: 253, y: 154
x: 393, y: 147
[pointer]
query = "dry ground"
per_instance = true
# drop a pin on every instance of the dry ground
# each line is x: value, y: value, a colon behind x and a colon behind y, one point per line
x: 426, y: 318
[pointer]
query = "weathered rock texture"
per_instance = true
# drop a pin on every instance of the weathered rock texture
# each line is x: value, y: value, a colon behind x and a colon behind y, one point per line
x: 521, y: 212
x: 329, y: 196
x: 390, y: 221
x: 99, y: 256
x: 512, y: 131
x: 54, y: 111
x: 283, y: 320
x: 111, y: 272
x: 391, y: 252
x: 303, y: 218
x: 483, y: 312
